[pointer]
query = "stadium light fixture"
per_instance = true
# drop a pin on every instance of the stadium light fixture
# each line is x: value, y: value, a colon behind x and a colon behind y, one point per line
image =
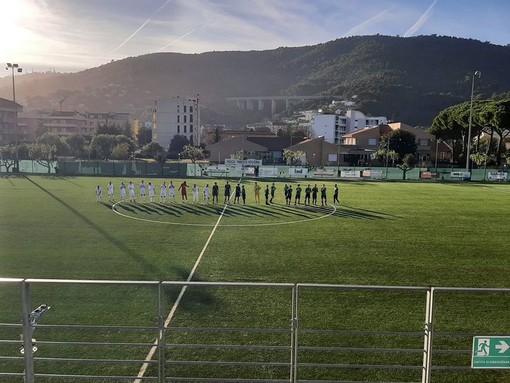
x: 15, y: 68
x: 468, y: 151
x: 34, y: 318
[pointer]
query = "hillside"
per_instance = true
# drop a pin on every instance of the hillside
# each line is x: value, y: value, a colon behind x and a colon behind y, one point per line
x: 406, y: 79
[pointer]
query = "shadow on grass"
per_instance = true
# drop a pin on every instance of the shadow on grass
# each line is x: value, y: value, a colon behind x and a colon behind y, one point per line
x: 67, y: 179
x: 274, y: 210
x: 147, y: 267
x: 349, y: 212
x: 194, y: 299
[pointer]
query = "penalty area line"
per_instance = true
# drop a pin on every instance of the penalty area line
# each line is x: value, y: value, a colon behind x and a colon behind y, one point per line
x: 171, y: 314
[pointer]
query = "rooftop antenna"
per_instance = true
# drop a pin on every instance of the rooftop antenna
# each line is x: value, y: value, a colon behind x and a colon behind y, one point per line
x: 60, y: 101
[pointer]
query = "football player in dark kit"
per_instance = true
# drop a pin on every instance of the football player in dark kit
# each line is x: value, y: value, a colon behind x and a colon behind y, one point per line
x: 215, y: 192
x: 335, y: 195
x: 297, y: 201
x: 308, y: 192
x: 315, y: 190
x: 228, y: 189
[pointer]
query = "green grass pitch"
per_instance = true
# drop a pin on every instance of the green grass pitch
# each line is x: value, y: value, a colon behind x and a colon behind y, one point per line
x: 405, y: 234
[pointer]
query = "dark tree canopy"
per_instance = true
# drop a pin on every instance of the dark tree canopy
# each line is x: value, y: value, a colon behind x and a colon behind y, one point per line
x: 489, y: 117
x: 178, y: 143
x: 154, y: 151
x: 403, y: 142
x: 144, y: 136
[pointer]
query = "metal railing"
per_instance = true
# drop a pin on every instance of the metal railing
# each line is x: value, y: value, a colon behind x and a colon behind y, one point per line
x: 241, y: 332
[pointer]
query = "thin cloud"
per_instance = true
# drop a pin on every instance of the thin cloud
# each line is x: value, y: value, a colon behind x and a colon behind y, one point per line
x: 177, y: 40
x: 358, y: 29
x: 421, y: 21
x: 140, y: 27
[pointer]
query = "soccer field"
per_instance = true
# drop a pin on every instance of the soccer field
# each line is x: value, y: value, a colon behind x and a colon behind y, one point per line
x: 394, y: 234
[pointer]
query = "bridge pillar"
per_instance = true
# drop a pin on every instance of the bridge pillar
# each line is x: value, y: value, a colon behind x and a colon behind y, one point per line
x: 261, y: 104
x: 250, y: 104
x: 273, y: 107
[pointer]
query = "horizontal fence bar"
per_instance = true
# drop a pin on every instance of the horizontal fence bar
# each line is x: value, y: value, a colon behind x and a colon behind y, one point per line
x: 89, y: 327
x: 222, y: 363
x: 360, y: 349
x: 11, y: 374
x: 90, y: 282
x: 229, y: 284
x: 362, y: 287
x: 451, y: 368
x: 476, y: 290
x: 361, y: 333
x: 7, y: 341
x: 347, y: 381
x: 225, y: 380
x: 11, y: 280
x: 95, y: 377
x: 76, y: 360
x: 258, y: 284
x: 226, y: 347
x: 226, y: 329
x: 361, y: 366
x: 11, y: 325
x: 99, y: 344
x: 11, y: 358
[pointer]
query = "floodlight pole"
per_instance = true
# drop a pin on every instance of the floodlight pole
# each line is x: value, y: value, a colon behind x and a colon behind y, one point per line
x: 338, y: 158
x: 468, y: 151
x: 437, y: 150
x: 15, y: 68
x: 387, y: 154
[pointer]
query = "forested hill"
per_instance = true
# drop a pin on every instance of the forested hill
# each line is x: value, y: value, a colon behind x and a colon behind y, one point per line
x: 405, y: 79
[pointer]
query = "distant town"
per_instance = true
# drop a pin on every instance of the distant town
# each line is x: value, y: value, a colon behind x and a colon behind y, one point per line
x: 335, y: 135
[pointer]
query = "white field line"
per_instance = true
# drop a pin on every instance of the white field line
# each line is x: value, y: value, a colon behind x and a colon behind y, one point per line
x: 171, y: 314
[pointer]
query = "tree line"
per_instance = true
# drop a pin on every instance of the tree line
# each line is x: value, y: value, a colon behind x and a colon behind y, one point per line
x: 110, y: 142
x: 490, y: 129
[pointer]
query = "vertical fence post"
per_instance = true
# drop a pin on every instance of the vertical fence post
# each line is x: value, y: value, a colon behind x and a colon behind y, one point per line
x: 295, y: 328
x: 428, y: 336
x: 27, y: 333
x: 161, y: 337
x: 292, y: 332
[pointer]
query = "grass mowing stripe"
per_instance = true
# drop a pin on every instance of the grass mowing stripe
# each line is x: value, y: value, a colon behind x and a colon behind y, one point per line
x: 171, y: 314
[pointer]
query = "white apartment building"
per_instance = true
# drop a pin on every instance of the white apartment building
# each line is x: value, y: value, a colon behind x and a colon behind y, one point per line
x: 334, y: 126
x: 176, y: 116
x: 67, y: 123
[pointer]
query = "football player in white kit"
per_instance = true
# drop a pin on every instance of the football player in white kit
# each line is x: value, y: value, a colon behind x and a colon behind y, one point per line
x: 206, y: 194
x: 162, y: 192
x: 171, y: 192
x: 143, y: 190
x: 151, y: 192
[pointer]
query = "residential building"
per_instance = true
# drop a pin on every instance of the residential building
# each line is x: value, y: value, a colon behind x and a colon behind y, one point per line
x: 320, y: 152
x: 176, y: 116
x: 267, y: 149
x: 334, y: 126
x: 111, y: 118
x: 211, y: 133
x: 8, y: 110
x: 67, y: 123
x: 427, y: 145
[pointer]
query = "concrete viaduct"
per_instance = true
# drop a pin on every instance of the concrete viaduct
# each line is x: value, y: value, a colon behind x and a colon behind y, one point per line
x: 260, y: 102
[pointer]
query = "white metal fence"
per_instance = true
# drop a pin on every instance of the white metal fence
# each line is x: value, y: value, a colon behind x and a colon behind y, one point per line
x: 244, y: 332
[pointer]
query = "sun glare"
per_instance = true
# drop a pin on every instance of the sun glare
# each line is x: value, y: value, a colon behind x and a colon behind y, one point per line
x: 20, y: 30
x: 10, y: 28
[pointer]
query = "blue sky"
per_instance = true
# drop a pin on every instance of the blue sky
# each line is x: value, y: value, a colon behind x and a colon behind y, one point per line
x: 71, y: 35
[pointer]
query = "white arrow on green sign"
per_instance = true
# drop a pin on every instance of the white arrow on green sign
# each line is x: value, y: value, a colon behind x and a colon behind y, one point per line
x: 491, y: 352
